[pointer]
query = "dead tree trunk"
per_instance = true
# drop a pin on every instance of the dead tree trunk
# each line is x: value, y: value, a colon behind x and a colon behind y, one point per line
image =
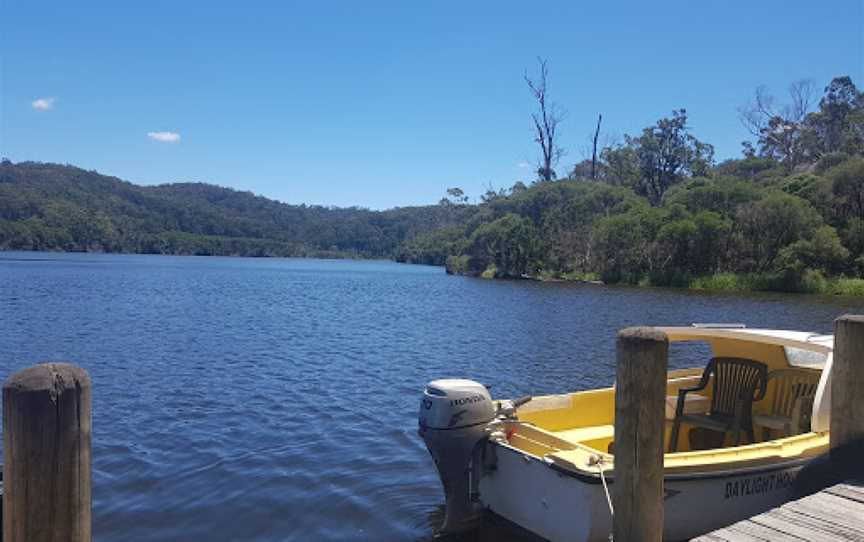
x: 594, y: 153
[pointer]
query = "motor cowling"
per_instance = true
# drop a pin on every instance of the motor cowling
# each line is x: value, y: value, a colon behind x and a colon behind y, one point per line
x: 453, y: 418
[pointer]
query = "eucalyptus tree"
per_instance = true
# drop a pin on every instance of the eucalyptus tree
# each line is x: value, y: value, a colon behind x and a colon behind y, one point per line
x: 662, y: 156
x: 838, y: 125
x: 779, y: 128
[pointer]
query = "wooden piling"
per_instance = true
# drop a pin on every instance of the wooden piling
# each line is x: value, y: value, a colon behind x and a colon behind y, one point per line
x: 847, y: 387
x: 46, y: 447
x: 640, y: 393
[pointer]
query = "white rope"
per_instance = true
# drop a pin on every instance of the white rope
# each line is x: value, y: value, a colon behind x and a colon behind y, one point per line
x: 597, y: 461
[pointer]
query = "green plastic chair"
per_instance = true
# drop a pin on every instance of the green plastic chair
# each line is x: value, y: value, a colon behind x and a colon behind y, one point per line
x: 737, y: 383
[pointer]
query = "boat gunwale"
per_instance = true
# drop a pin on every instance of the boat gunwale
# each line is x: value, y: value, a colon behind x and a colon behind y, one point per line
x: 594, y: 477
x: 816, y: 342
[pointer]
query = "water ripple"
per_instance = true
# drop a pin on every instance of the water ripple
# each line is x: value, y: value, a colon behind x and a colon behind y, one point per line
x: 248, y: 399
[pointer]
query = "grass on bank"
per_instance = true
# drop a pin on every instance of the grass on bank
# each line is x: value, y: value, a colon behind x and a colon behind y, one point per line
x: 810, y: 282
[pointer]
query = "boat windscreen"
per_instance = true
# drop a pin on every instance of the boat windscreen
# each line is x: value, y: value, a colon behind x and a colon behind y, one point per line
x: 808, y: 359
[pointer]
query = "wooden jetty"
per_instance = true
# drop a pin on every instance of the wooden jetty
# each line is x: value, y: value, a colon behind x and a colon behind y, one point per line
x: 835, y: 513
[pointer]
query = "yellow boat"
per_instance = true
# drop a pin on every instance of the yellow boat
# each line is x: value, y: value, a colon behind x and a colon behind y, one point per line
x: 546, y: 463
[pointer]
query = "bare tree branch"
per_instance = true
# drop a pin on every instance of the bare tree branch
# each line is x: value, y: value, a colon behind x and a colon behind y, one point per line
x: 802, y: 95
x: 546, y: 121
x: 778, y: 130
x: 756, y: 115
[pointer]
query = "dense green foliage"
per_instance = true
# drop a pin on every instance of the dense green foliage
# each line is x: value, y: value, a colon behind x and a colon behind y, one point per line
x: 55, y: 207
x: 788, y: 216
x: 661, y: 212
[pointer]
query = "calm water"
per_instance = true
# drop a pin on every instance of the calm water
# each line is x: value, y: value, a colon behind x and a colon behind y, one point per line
x: 249, y: 399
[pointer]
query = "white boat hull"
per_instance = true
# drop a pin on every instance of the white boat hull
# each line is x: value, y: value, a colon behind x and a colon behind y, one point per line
x: 561, y: 506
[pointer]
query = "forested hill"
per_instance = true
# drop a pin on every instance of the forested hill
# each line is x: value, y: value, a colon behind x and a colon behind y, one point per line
x: 61, y: 207
x: 655, y: 208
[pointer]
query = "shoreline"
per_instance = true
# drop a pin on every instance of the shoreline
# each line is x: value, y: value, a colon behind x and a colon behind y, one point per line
x: 717, y: 283
x: 811, y: 283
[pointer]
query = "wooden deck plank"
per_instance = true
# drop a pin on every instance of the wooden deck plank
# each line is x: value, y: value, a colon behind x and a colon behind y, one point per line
x: 741, y: 533
x: 728, y: 534
x: 834, y: 510
x: 830, y: 506
x: 855, y: 487
x: 747, y: 531
x: 848, y: 491
x: 846, y: 494
x: 799, y: 525
x: 831, y: 515
x: 714, y: 536
x: 763, y: 532
x: 795, y: 524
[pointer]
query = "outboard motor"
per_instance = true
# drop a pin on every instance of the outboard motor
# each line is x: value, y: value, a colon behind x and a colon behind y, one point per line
x: 453, y: 418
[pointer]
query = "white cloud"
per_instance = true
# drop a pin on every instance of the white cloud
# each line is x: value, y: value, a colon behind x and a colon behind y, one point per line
x: 164, y: 137
x: 43, y: 104
x: 523, y: 165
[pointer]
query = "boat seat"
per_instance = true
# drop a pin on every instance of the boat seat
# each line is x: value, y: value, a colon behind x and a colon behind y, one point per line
x: 792, y: 402
x: 774, y: 421
x: 738, y: 383
x: 586, y: 434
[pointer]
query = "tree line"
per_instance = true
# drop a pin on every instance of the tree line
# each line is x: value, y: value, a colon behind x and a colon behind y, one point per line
x: 656, y: 208
x: 652, y: 208
x: 62, y: 207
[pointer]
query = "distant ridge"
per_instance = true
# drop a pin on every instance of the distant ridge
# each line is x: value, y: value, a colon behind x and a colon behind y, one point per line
x: 46, y: 206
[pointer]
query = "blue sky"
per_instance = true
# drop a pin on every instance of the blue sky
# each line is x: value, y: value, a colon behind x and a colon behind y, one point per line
x: 380, y: 104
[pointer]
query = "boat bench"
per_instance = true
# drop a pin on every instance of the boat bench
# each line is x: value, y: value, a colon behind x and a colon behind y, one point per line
x: 596, y: 436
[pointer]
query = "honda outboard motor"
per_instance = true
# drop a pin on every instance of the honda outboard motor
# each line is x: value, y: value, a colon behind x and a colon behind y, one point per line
x: 453, y: 418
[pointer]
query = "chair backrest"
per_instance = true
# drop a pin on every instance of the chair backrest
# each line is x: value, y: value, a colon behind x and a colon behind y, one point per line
x: 736, y: 379
x: 788, y: 386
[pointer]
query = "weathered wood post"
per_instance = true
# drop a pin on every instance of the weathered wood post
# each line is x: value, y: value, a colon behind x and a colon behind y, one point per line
x: 46, y: 448
x: 847, y: 394
x: 640, y: 393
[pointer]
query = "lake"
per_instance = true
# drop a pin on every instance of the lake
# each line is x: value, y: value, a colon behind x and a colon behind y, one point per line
x: 276, y: 399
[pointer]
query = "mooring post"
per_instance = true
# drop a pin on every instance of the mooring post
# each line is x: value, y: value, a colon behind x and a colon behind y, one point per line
x: 46, y: 448
x: 847, y: 387
x: 640, y: 393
